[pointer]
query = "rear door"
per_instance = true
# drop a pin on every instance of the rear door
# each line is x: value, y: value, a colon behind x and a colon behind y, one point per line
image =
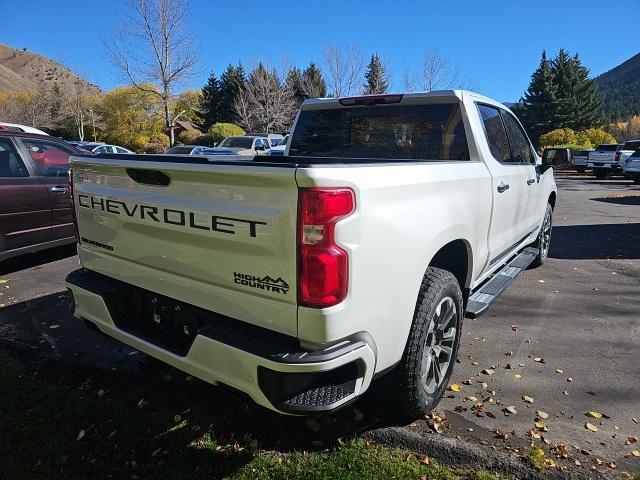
x: 522, y: 151
x: 51, y: 160
x: 510, y: 223
x: 25, y: 212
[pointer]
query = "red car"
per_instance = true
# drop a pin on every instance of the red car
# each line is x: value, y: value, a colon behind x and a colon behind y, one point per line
x: 35, y: 205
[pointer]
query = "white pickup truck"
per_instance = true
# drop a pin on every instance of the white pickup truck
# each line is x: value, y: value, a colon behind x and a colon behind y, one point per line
x: 604, y: 161
x: 299, y: 279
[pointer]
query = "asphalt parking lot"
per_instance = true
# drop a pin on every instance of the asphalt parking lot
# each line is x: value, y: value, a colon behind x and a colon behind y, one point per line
x: 566, y: 335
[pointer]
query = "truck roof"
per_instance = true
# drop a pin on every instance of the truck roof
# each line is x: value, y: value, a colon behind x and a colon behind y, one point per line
x: 314, y: 103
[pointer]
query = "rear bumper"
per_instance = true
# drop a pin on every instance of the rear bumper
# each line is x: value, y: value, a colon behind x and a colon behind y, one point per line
x: 270, y: 367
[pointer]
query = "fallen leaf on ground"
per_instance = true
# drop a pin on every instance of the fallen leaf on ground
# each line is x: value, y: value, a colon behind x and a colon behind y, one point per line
x: 559, y: 370
x: 454, y: 387
x: 54, y: 326
x: 142, y: 403
x: 528, y: 399
x: 518, y: 376
x: 511, y: 409
x: 594, y: 414
x: 542, y: 414
x: 635, y: 453
x: 177, y: 418
x: 539, y: 360
x: 488, y: 371
x: 541, y: 281
x: 514, y: 327
x: 508, y: 354
x: 80, y: 435
x: 591, y: 426
x: 631, y: 439
x: 569, y: 379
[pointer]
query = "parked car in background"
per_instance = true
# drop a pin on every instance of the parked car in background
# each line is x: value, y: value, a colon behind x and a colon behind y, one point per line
x: 15, y: 127
x: 274, y: 138
x: 603, y: 160
x: 628, y: 148
x: 241, y: 145
x: 99, y: 147
x: 580, y: 160
x: 631, y: 167
x: 279, y: 149
x: 35, y: 203
x: 557, y: 156
x: 187, y: 150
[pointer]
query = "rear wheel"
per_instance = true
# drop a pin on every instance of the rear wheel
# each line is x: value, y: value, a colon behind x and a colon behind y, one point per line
x: 601, y: 173
x: 422, y: 376
x: 544, y: 238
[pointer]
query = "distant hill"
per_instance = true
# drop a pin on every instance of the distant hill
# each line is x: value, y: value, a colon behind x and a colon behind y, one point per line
x: 22, y: 70
x: 620, y: 87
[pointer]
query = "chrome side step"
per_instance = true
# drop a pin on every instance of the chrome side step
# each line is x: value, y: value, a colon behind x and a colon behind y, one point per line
x: 483, y: 297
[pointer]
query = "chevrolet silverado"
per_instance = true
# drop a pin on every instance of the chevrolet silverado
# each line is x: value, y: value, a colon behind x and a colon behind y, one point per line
x: 302, y: 278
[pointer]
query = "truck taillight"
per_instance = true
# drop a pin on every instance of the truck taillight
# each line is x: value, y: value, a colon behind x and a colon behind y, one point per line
x: 73, y: 205
x: 323, y: 267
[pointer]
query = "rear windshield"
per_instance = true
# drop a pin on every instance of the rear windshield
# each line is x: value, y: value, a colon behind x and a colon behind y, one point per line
x: 582, y: 153
x: 633, y: 145
x: 607, y: 148
x: 390, y: 132
x: 237, y: 142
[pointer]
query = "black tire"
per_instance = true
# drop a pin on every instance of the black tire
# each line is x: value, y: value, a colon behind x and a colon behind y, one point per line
x: 543, y: 241
x: 581, y: 169
x: 417, y: 387
x: 601, y: 173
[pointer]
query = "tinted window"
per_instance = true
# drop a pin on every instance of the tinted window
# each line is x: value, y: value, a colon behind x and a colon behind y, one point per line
x: 582, y: 153
x: 607, y: 147
x: 633, y: 145
x: 520, y: 147
x: 10, y: 164
x: 237, y: 142
x: 52, y: 159
x: 495, y: 131
x: 421, y: 132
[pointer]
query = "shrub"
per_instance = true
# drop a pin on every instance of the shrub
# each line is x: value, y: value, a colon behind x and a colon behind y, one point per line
x: 220, y: 131
x: 157, y: 144
x: 559, y: 136
x: 594, y: 136
x: 189, y: 137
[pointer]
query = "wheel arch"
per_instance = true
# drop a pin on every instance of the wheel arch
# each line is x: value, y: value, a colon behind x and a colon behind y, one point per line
x: 552, y: 200
x: 456, y: 257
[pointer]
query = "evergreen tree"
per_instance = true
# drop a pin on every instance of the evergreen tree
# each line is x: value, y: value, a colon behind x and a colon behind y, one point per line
x: 538, y: 109
x: 294, y: 84
x: 376, y: 77
x: 210, y: 103
x: 313, y: 82
x: 232, y: 82
x: 560, y: 95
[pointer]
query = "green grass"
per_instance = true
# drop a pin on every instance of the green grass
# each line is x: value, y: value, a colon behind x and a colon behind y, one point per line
x: 42, y: 420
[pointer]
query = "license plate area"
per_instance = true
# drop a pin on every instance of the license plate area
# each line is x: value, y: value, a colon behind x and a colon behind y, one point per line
x: 165, y: 322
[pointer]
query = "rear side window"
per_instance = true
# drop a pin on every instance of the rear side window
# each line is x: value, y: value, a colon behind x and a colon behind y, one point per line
x: 496, y: 134
x: 385, y: 132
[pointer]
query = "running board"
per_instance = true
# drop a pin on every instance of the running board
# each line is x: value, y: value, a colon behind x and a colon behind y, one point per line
x: 481, y: 299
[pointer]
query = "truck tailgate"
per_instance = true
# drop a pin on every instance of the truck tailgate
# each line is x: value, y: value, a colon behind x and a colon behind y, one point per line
x: 220, y: 236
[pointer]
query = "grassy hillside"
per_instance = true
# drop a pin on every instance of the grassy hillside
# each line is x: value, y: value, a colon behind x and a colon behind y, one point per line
x: 620, y: 87
x: 24, y: 70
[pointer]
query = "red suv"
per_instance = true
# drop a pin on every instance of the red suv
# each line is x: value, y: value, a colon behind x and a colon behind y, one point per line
x: 35, y: 206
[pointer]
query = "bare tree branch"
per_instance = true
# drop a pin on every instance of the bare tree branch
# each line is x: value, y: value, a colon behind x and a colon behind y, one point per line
x: 344, y: 68
x: 155, y: 50
x: 436, y: 73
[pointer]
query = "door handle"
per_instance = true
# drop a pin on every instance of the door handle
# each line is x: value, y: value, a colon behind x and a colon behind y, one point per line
x: 503, y: 187
x: 531, y: 181
x: 59, y: 189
